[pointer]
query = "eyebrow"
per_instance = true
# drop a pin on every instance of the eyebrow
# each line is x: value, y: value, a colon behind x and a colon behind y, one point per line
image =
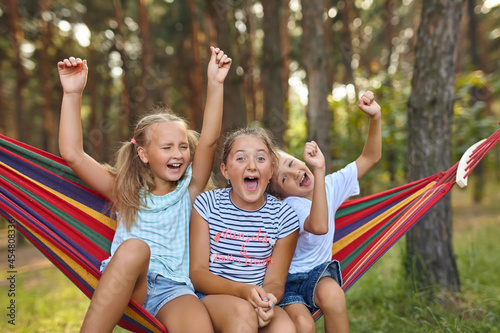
x: 246, y: 151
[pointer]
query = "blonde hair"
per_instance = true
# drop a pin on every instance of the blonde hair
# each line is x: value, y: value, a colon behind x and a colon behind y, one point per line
x: 259, y: 133
x: 131, y: 175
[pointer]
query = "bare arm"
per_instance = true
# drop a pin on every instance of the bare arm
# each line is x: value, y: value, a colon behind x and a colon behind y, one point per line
x: 73, y: 75
x: 372, y: 151
x: 317, y: 221
x: 274, y: 281
x: 203, y: 160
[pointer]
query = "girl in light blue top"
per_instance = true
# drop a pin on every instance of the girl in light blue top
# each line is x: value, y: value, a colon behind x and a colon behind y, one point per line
x: 152, y: 186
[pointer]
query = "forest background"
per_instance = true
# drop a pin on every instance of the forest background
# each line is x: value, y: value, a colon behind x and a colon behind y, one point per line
x: 142, y: 54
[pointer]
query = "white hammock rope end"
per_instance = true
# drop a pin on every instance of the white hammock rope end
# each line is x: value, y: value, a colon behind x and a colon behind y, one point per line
x: 461, y: 179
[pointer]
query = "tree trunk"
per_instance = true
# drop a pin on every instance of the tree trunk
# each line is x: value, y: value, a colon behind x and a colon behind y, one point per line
x: 275, y: 117
x: 285, y: 49
x: 313, y: 38
x: 16, y: 37
x: 49, y: 137
x: 235, y: 115
x: 147, y: 80
x: 346, y: 46
x: 431, y: 259
x: 477, y: 94
x: 195, y: 72
x: 125, y: 120
x: 249, y: 63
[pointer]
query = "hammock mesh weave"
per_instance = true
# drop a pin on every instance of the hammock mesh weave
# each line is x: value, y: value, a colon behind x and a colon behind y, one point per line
x: 64, y: 219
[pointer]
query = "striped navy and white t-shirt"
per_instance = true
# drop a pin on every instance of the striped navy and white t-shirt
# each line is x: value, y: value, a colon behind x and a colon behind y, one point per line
x: 241, y: 241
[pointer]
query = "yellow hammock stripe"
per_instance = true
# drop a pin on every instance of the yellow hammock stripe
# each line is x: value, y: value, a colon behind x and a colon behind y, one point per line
x: 109, y: 222
x: 390, y: 231
x: 341, y: 243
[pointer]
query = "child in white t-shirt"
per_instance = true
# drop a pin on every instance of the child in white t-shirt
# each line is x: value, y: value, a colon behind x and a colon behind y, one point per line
x: 314, y: 280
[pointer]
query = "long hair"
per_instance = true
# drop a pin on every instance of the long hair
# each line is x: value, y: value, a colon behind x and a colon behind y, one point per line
x: 259, y: 133
x: 132, y: 176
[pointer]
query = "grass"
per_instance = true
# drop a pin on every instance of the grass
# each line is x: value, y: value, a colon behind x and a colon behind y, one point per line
x: 379, y: 302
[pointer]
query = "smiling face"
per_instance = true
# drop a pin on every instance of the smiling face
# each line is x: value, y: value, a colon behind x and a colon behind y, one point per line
x: 167, y: 154
x: 248, y: 167
x: 293, y: 177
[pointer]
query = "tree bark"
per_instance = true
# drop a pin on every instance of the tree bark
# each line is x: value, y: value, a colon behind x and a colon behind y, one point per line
x: 147, y: 79
x: 313, y: 38
x: 16, y: 37
x: 431, y: 259
x: 275, y: 118
x: 235, y: 115
x: 195, y: 71
x: 49, y: 137
x: 477, y: 94
x: 346, y: 46
x: 125, y: 120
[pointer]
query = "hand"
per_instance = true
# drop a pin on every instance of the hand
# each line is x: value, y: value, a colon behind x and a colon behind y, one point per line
x: 255, y: 295
x: 313, y: 155
x: 367, y: 104
x: 266, y: 314
x: 73, y: 74
x: 218, y: 66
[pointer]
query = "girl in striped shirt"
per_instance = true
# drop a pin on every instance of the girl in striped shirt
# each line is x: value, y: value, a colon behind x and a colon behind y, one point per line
x: 242, y: 241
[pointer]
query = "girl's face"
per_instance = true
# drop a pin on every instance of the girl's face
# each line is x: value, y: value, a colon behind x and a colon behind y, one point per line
x: 293, y: 177
x: 167, y: 154
x: 249, y: 167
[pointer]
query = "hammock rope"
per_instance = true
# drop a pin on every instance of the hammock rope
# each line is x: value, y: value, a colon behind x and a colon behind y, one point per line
x: 68, y: 223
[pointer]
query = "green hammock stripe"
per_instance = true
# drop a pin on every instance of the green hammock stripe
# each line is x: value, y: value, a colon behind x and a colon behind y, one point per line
x: 366, y: 204
x: 43, y: 162
x: 355, y: 253
x: 96, y: 238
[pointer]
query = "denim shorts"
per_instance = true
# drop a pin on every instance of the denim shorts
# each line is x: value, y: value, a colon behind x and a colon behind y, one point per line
x: 300, y: 287
x: 161, y: 290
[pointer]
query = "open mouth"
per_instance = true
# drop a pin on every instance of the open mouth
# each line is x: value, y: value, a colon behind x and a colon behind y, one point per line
x: 251, y: 183
x: 305, y: 181
x: 175, y: 166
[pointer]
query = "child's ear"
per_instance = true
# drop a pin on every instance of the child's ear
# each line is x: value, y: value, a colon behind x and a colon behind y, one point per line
x: 142, y: 154
x: 223, y: 170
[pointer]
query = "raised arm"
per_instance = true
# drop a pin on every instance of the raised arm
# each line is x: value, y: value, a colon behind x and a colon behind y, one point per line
x: 317, y: 221
x: 372, y: 150
x: 218, y: 68
x: 73, y: 75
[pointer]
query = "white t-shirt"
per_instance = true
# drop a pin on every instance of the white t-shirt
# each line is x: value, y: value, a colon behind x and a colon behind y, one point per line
x: 313, y: 250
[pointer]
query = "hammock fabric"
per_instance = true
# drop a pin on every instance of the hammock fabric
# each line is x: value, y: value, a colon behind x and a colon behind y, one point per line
x: 64, y: 219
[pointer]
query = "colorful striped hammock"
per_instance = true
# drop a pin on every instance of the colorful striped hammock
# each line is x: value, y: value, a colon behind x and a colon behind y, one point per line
x: 64, y: 219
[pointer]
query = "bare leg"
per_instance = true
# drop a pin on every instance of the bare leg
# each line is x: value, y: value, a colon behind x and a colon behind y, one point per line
x: 280, y: 323
x: 185, y: 314
x: 231, y: 314
x: 301, y: 317
x: 124, y: 277
x: 331, y: 300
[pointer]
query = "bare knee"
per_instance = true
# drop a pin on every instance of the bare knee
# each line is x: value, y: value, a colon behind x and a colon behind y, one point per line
x: 245, y: 317
x: 231, y: 314
x: 329, y: 296
x: 304, y: 324
x: 132, y: 253
x: 302, y: 320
